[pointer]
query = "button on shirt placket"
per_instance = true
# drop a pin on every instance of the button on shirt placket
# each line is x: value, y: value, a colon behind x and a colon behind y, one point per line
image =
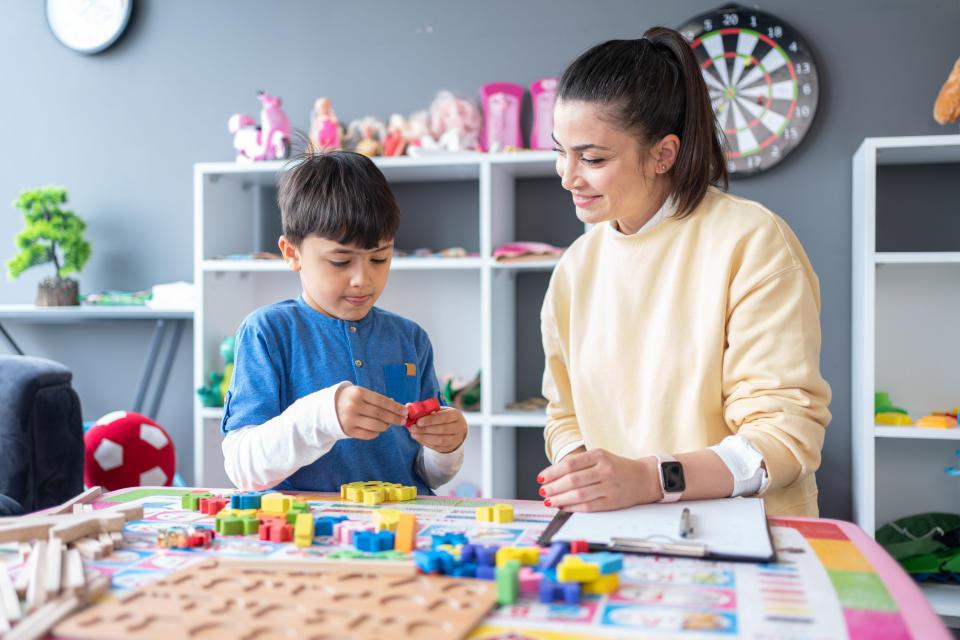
x: 352, y: 334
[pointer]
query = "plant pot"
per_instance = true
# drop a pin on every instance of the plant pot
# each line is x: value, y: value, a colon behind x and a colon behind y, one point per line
x: 58, y: 292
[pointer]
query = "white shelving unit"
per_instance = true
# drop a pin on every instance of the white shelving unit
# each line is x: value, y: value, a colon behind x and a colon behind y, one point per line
x: 467, y: 305
x: 905, y: 341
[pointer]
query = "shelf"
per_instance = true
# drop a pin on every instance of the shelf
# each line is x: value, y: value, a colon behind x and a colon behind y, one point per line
x: 529, y: 265
x: 944, y: 598
x: 398, y: 264
x: 81, y: 313
x: 917, y: 433
x: 917, y: 257
x: 519, y: 419
x: 916, y: 149
x: 443, y: 166
x: 211, y: 413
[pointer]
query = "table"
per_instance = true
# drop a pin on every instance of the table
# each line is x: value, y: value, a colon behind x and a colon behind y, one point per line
x: 87, y: 313
x: 831, y: 580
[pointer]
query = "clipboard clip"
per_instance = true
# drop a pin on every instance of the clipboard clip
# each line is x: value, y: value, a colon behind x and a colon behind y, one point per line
x: 660, y: 544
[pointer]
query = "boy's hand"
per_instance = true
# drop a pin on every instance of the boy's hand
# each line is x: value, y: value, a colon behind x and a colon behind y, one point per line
x: 442, y: 431
x: 365, y: 414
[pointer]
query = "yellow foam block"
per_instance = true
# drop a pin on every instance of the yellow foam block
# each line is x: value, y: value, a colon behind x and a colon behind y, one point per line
x: 239, y: 513
x: 502, y: 513
x: 400, y: 493
x: 276, y: 503
x: 604, y: 584
x: 373, y: 496
x: 937, y: 421
x: 303, y: 530
x: 526, y: 555
x: 485, y: 514
x: 386, y: 520
x: 451, y: 549
x: 573, y: 569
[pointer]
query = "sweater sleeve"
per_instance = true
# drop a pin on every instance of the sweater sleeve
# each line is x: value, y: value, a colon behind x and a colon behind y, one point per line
x: 562, y: 428
x: 257, y: 457
x: 774, y: 395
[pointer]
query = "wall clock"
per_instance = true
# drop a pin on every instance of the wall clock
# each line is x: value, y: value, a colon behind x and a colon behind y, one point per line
x: 88, y: 26
x: 762, y: 80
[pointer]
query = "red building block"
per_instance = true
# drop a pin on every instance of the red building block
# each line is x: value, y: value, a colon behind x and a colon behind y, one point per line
x: 579, y: 546
x: 417, y: 410
x: 213, y: 506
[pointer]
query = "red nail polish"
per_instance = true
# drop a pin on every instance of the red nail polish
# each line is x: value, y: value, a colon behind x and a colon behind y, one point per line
x: 547, y: 502
x: 540, y: 478
x: 543, y: 491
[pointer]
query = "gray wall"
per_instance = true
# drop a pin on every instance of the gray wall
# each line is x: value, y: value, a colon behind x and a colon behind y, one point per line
x: 122, y: 130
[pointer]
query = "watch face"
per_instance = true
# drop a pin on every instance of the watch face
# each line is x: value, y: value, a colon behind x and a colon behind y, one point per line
x: 762, y: 80
x: 88, y: 26
x: 672, y: 473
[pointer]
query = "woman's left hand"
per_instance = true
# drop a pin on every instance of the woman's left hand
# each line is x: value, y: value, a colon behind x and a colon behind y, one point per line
x: 598, y: 480
x: 443, y: 431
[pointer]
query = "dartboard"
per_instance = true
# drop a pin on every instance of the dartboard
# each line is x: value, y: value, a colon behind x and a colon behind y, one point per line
x: 762, y: 80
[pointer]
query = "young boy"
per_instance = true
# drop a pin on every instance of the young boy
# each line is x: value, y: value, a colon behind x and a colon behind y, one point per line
x: 320, y: 383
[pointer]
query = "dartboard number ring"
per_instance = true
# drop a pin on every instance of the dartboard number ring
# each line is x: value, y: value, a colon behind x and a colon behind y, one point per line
x: 762, y: 80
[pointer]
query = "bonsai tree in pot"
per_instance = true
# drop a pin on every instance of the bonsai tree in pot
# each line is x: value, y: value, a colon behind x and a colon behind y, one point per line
x: 52, y: 235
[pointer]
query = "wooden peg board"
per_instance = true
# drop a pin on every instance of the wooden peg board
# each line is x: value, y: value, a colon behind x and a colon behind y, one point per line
x: 217, y: 599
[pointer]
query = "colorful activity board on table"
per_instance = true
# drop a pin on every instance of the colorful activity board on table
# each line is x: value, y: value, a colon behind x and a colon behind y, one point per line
x: 829, y: 580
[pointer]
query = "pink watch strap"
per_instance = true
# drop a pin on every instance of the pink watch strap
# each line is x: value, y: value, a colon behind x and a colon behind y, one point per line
x: 672, y: 496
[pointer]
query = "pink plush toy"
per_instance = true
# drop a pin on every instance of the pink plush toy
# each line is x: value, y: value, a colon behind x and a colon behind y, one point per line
x: 126, y: 449
x: 543, y: 92
x: 501, y: 116
x: 271, y: 140
x: 454, y: 122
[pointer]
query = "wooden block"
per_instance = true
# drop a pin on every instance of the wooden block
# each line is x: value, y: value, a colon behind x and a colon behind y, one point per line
x: 88, y: 548
x: 86, y: 524
x: 36, y: 593
x: 25, y: 530
x: 74, y: 578
x: 9, y: 602
x: 44, y: 619
x: 86, y: 497
x: 53, y: 567
x: 117, y: 538
x: 23, y: 578
x: 131, y: 511
x: 107, y: 541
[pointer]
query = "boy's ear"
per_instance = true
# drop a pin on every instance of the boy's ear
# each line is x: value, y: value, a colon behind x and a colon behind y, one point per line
x: 291, y: 255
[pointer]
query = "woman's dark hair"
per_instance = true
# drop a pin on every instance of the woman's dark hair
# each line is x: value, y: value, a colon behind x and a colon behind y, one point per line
x: 653, y: 87
x: 338, y: 195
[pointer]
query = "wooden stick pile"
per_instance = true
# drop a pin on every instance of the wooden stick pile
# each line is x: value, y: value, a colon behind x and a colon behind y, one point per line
x: 52, y: 583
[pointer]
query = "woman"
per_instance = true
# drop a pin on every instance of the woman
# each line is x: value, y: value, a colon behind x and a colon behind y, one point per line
x: 681, y: 333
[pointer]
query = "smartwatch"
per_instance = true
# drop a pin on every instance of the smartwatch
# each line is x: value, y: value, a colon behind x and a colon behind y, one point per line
x: 671, y: 477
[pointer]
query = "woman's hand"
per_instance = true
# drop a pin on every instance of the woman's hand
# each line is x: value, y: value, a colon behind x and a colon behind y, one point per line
x: 443, y: 431
x: 598, y: 480
x: 365, y: 414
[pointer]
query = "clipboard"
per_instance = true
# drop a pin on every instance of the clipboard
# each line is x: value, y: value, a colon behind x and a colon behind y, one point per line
x: 725, y: 529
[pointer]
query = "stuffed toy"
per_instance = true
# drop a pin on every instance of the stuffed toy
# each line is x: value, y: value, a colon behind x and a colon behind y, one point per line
x: 947, y: 107
x: 126, y: 449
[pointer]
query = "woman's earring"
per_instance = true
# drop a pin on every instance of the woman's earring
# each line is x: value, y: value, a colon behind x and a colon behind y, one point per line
x: 663, y: 167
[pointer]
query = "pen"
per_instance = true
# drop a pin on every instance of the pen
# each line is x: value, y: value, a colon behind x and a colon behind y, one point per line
x: 685, y: 528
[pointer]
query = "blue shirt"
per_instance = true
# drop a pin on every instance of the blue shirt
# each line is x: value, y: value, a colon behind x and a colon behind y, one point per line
x: 287, y: 350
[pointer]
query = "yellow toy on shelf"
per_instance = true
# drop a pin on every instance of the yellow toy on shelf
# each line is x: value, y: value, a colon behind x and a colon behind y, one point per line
x: 938, y: 421
x: 893, y: 418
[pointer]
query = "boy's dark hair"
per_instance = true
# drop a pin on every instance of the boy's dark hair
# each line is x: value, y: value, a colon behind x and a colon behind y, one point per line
x: 653, y: 87
x: 338, y: 195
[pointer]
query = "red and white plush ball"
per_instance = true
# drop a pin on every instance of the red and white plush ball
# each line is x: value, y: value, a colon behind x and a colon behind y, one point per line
x: 126, y: 449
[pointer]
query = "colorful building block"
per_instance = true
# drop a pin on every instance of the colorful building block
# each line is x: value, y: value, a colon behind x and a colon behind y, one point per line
x: 486, y: 572
x: 525, y: 555
x: 553, y: 557
x: 550, y: 591
x: 607, y: 562
x: 417, y: 410
x: 487, y: 556
x: 450, y: 538
x: 495, y: 513
x: 296, y: 509
x: 343, y: 531
x: 373, y: 541
x: 401, y: 493
x: 276, y: 531
x: 323, y: 526
x: 579, y: 546
x: 406, y: 538
x: 386, y: 520
x: 604, y: 584
x: 508, y: 583
x: 573, y: 569
x: 370, y: 492
x: 529, y: 580
x: 373, y: 496
x: 303, y: 530
x: 276, y: 503
x: 191, y: 501
x: 246, y: 500
x: 212, y: 505
x: 228, y: 526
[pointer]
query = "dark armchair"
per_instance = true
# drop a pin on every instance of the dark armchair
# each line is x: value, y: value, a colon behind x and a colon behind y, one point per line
x: 41, y: 435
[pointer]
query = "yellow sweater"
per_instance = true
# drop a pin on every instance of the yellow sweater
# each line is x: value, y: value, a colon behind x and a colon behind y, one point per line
x: 671, y: 339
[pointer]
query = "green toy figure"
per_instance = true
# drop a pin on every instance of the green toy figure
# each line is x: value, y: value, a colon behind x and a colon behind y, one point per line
x: 213, y: 393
